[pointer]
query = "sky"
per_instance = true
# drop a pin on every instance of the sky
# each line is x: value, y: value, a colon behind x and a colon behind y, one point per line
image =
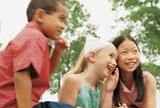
x: 103, y: 17
x: 13, y: 18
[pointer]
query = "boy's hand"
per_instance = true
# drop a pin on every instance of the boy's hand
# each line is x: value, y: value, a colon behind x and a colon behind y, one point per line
x: 61, y: 44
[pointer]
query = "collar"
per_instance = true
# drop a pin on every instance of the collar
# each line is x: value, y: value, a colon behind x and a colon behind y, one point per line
x: 125, y: 89
x: 33, y: 24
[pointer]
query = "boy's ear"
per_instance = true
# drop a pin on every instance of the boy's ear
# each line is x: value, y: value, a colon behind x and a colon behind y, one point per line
x: 39, y: 15
x: 91, y: 56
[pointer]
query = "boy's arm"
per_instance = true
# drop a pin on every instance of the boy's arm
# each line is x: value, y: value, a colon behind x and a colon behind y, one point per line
x: 55, y: 59
x: 23, y: 88
x: 60, y: 46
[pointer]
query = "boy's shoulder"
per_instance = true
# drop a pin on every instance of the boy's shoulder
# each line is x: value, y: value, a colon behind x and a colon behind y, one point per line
x: 31, y: 31
x: 30, y: 35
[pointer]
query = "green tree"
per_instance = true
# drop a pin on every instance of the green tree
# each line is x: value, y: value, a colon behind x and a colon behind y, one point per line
x: 78, y: 27
x: 144, y: 23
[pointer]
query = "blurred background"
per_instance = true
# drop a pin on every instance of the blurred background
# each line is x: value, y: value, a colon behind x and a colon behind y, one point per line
x: 104, y: 18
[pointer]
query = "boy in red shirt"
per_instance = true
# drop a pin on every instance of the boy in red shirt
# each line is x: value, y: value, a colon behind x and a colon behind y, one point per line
x: 25, y: 64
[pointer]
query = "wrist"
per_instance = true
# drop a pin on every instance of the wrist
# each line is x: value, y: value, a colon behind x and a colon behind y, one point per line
x: 108, y: 94
x: 58, y: 49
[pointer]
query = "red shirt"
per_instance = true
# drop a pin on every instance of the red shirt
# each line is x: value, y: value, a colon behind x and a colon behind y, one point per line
x: 30, y: 47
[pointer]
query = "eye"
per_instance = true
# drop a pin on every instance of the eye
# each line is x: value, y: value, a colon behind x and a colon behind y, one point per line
x: 124, y: 52
x: 135, y: 50
x: 111, y: 55
x: 62, y: 19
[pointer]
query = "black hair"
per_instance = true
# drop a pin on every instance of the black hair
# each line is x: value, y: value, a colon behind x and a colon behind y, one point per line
x: 47, y: 5
x: 137, y: 74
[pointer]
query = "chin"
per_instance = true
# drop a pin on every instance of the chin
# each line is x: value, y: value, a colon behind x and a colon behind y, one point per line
x: 53, y: 38
x: 105, y: 75
x: 130, y: 70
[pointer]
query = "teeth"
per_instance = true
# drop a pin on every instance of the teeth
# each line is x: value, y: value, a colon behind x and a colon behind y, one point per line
x: 130, y: 64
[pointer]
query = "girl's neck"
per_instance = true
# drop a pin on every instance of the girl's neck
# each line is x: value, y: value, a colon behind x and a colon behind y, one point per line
x: 127, y: 79
x: 90, y: 79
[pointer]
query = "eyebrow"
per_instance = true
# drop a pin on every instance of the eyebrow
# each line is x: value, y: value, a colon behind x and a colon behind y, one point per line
x: 122, y: 48
x: 63, y: 15
x: 125, y: 47
x: 113, y: 53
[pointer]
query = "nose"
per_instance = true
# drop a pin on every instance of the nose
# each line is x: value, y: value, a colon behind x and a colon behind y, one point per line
x: 62, y: 26
x: 131, y: 55
x: 114, y: 63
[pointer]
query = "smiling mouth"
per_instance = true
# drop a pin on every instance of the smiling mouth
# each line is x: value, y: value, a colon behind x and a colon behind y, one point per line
x: 59, y: 32
x: 110, y: 68
x: 130, y: 64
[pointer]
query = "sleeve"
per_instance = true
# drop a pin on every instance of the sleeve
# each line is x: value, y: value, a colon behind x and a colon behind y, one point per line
x: 28, y: 54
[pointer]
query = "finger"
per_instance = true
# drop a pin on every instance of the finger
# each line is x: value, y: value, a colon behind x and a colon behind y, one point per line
x: 124, y: 105
x: 116, y: 73
x: 62, y: 41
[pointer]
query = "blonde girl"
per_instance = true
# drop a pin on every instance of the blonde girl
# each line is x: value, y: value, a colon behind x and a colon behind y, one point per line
x: 82, y: 86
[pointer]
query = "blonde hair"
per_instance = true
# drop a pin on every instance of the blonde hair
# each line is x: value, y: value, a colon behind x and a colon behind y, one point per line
x: 79, y: 66
x: 97, y: 44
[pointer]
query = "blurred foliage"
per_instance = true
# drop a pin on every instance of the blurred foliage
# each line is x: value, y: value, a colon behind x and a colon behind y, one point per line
x: 77, y: 28
x: 143, y: 21
x: 155, y: 70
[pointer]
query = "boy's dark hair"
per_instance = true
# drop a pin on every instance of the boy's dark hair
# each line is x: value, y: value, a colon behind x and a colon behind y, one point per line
x: 47, y: 5
x: 137, y: 74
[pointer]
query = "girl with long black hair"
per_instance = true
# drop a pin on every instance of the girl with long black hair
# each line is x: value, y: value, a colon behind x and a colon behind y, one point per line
x: 136, y: 88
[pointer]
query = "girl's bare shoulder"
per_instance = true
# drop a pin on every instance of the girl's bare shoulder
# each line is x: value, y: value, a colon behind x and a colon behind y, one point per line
x: 149, y: 79
x: 73, y: 80
x: 148, y: 76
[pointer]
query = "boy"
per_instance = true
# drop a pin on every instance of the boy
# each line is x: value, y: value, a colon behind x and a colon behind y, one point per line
x: 25, y: 66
